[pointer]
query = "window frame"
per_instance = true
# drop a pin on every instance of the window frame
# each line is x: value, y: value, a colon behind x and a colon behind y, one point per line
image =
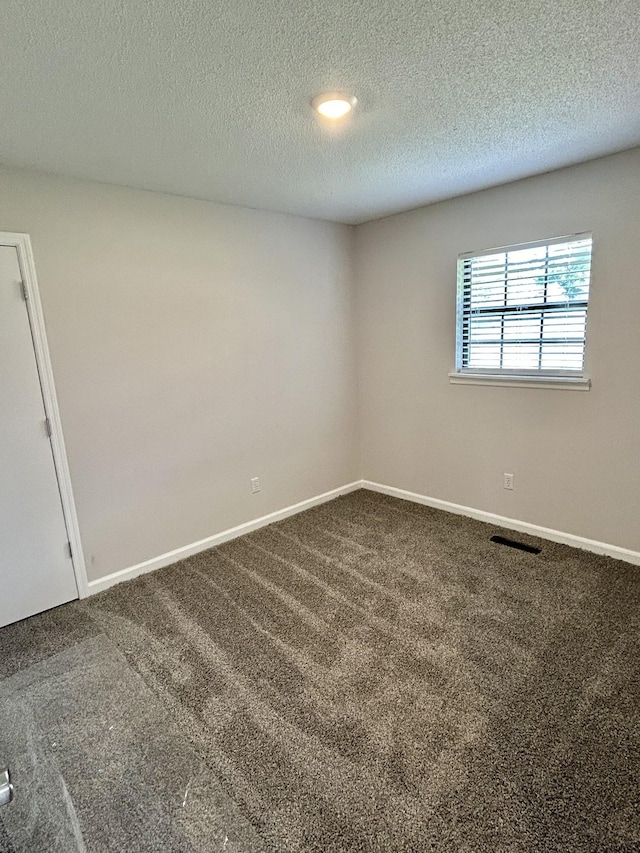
x: 535, y: 377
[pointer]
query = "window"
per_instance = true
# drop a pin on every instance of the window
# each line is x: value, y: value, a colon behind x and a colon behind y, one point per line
x: 522, y: 310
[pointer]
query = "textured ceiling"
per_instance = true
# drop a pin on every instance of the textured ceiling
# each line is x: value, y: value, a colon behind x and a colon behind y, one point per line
x: 210, y: 98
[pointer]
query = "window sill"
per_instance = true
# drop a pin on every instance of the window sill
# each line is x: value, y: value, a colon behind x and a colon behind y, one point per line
x: 558, y: 383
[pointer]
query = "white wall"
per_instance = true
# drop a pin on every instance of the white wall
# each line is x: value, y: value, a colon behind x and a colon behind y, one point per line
x: 194, y: 346
x: 575, y: 456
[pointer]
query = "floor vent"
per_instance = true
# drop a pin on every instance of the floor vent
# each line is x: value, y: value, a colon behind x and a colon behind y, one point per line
x: 511, y: 543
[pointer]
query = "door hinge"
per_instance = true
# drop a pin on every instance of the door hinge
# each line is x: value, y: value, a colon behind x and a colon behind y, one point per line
x: 25, y: 294
x: 47, y: 426
x: 70, y: 550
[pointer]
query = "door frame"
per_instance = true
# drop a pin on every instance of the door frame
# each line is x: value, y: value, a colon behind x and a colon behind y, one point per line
x: 22, y: 244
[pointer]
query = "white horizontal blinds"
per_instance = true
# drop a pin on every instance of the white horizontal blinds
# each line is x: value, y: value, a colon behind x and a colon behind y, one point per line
x: 524, y: 309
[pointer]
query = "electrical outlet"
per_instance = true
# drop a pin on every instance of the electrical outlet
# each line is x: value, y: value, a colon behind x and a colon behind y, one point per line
x: 508, y: 481
x: 255, y: 485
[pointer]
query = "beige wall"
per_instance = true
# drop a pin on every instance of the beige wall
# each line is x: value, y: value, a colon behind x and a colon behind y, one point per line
x: 194, y: 346
x: 575, y: 456
x: 197, y: 345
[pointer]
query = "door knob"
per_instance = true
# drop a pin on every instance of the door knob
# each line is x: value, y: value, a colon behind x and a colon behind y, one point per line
x: 6, y: 788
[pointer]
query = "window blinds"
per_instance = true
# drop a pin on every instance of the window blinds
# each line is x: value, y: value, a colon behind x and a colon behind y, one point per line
x: 523, y: 309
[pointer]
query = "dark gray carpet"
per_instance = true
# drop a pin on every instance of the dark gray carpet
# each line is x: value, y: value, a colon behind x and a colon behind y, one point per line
x: 97, y: 762
x: 374, y: 675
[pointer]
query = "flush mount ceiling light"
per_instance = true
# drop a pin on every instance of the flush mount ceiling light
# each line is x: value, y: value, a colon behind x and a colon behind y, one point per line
x: 334, y: 106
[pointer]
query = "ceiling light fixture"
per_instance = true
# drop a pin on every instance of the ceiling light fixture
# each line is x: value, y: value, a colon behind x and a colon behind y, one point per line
x: 334, y: 106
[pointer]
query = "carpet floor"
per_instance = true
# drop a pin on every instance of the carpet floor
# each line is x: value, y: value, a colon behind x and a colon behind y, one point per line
x: 370, y: 675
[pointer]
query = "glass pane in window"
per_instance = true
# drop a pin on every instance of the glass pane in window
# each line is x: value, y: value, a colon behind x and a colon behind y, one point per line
x: 562, y: 357
x: 525, y: 326
x: 565, y: 325
x: 569, y: 271
x: 520, y: 356
x: 526, y: 276
x: 484, y: 356
x: 485, y: 328
x: 488, y: 281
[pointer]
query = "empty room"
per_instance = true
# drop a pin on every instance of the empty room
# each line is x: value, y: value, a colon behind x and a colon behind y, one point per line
x: 322, y: 529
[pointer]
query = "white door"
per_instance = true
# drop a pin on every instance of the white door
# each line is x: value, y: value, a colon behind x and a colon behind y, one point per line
x: 36, y: 571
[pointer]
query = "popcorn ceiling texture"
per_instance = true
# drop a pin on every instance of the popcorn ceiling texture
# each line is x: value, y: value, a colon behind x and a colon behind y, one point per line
x: 211, y: 99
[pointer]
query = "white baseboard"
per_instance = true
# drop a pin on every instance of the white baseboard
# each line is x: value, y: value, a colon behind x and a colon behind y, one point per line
x: 510, y: 523
x: 217, y: 539
x: 491, y: 518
